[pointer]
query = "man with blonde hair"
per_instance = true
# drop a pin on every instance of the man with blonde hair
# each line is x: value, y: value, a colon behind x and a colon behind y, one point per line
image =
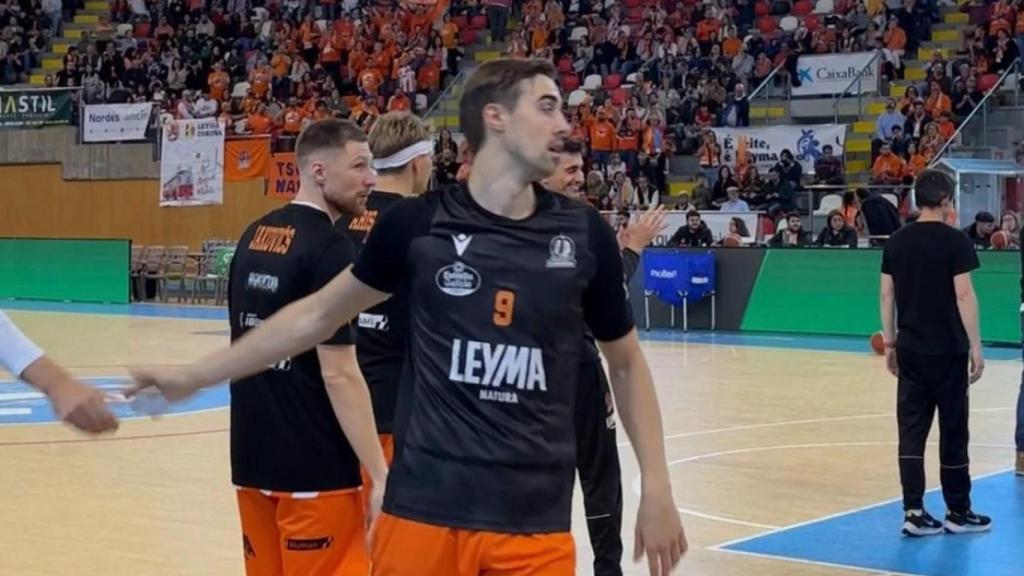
x: 403, y: 158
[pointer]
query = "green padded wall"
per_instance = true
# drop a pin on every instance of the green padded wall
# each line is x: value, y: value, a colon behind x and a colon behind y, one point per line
x: 65, y: 270
x: 836, y: 292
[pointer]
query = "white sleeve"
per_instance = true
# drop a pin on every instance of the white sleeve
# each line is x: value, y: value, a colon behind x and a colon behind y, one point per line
x: 16, y: 350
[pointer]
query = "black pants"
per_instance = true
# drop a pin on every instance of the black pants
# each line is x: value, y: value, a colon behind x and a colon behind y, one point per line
x: 597, y: 458
x: 927, y: 383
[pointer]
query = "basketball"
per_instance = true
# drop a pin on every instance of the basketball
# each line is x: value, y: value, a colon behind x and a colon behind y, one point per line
x: 731, y: 241
x: 878, y: 343
x: 1001, y: 240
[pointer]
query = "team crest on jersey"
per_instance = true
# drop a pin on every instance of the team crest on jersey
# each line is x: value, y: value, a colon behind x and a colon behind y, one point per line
x: 458, y: 279
x: 563, y: 252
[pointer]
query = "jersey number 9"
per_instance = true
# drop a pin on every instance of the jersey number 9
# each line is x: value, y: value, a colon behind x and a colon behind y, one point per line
x: 504, y: 305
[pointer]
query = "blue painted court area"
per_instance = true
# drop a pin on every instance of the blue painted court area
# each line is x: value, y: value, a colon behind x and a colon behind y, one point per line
x: 870, y: 538
x: 20, y: 404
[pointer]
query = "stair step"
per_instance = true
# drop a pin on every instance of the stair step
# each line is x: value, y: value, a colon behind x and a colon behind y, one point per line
x: 486, y: 55
x: 680, y: 186
x: 451, y: 122
x: 81, y: 18
x: 52, y: 64
x: 858, y: 145
x: 914, y: 74
x: 946, y: 35
x: 767, y: 112
x: 37, y: 79
x: 897, y: 90
x: 955, y: 18
x: 97, y: 5
x: 854, y: 166
x: 864, y: 127
x: 927, y: 53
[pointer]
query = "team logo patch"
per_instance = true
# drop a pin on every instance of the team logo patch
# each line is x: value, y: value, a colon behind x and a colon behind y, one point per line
x: 458, y: 279
x: 563, y: 252
x: 374, y: 321
x: 308, y: 544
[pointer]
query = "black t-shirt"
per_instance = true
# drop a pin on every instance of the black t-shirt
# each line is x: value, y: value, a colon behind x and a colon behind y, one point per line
x: 923, y: 258
x: 284, y: 433
x: 484, y: 430
x: 382, y: 329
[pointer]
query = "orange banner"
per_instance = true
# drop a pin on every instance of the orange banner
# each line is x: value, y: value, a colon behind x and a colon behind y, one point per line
x: 246, y: 159
x: 283, y: 176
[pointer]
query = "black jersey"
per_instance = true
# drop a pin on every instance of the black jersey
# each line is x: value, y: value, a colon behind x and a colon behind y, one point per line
x: 382, y: 329
x: 484, y: 430
x: 284, y: 433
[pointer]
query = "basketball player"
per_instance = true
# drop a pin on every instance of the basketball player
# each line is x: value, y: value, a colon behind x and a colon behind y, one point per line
x: 403, y: 158
x: 75, y: 403
x: 503, y: 278
x: 302, y: 425
x: 934, y: 350
x: 597, y: 451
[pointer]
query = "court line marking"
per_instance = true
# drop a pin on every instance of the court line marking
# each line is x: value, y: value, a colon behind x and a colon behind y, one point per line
x: 721, y: 547
x: 113, y: 438
x: 121, y: 419
x: 635, y: 484
x: 817, y: 563
x: 799, y: 422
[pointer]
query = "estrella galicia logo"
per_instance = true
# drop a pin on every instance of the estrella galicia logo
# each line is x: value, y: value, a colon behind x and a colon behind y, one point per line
x: 563, y: 252
x: 458, y: 279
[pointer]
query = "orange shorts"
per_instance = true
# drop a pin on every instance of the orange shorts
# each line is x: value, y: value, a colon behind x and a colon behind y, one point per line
x: 288, y: 536
x: 387, y: 442
x: 407, y: 548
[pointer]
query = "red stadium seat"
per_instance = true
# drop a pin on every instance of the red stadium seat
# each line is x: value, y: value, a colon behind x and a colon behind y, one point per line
x: 802, y: 8
x: 632, y: 3
x: 812, y: 22
x: 565, y: 65
x: 467, y: 36
x: 569, y: 82
x: 612, y: 81
x: 762, y: 9
x: 620, y: 96
x: 461, y: 21
x: 987, y: 81
x: 767, y: 24
x: 478, y: 22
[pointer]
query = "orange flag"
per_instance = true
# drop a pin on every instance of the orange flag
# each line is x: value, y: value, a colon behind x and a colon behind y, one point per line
x: 246, y: 159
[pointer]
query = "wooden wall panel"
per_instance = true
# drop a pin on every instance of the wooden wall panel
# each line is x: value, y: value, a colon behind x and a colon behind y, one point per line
x: 36, y: 202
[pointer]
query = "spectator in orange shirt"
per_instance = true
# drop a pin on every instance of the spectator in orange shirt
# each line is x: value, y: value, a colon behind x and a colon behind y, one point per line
x: 259, y: 122
x: 896, y: 41
x: 219, y: 82
x: 888, y: 167
x: 916, y: 162
x: 291, y: 118
x: 399, y: 102
x: 938, y: 102
x: 602, y: 139
x: 946, y: 126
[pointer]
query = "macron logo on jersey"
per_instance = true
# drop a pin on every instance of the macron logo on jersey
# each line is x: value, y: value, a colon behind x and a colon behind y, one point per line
x: 496, y: 366
x: 461, y: 242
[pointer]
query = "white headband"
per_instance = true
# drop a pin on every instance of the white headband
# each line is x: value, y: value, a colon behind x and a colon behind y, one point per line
x: 404, y: 156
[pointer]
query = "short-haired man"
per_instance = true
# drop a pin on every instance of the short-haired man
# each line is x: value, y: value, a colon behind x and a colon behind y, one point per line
x: 933, y: 347
x: 503, y: 278
x: 301, y: 426
x: 597, y: 451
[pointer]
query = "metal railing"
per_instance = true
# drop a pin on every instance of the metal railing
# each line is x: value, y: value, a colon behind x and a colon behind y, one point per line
x: 444, y: 94
x: 765, y: 86
x: 857, y: 80
x: 1013, y: 68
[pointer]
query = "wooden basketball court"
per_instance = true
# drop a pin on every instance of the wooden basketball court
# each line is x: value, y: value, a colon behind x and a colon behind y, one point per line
x: 762, y: 433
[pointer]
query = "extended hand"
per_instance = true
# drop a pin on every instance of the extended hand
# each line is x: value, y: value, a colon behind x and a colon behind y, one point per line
x: 82, y: 406
x: 173, y: 383
x: 659, y: 535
